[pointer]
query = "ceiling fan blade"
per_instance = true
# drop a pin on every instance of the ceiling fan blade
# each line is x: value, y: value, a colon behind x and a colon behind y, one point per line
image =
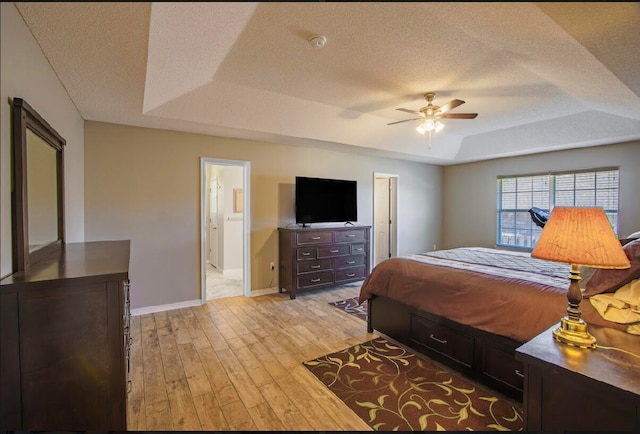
x: 451, y: 105
x: 459, y: 115
x: 406, y: 120
x: 414, y: 112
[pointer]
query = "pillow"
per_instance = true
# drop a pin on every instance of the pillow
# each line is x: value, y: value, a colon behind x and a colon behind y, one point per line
x: 634, y: 235
x: 624, y: 241
x: 604, y: 280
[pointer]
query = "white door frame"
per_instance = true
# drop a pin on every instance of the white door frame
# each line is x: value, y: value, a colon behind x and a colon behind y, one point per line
x: 394, y: 245
x: 246, y: 222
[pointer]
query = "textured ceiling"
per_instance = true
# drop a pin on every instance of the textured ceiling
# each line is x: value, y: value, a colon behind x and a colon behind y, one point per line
x: 541, y: 76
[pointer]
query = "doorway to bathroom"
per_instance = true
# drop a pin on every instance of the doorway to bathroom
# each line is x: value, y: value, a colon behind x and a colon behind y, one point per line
x: 225, y: 223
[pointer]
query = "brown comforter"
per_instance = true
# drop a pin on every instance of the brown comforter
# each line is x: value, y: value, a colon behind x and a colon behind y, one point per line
x: 491, y: 296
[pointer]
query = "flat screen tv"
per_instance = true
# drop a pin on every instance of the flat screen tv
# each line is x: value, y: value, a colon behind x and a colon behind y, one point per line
x: 320, y: 200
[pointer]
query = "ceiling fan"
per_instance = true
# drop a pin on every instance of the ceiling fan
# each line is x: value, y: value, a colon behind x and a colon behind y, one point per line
x: 430, y: 115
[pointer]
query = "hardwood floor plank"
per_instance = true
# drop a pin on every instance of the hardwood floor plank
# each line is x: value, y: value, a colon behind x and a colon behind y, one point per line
x: 225, y: 329
x: 237, y: 325
x: 162, y: 320
x: 306, y: 405
x: 136, y: 420
x: 348, y: 420
x: 196, y: 376
x: 136, y: 361
x: 236, y: 343
x: 154, y: 383
x: 183, y: 413
x: 198, y: 337
x: 212, y: 333
x: 223, y: 388
x: 158, y: 416
x: 171, y: 362
x: 180, y: 332
x: 275, y: 368
x: 209, y: 413
x: 147, y: 322
x: 282, y: 406
x: 178, y: 387
x: 247, y: 390
x: 253, y: 366
x: 237, y: 417
x: 265, y: 419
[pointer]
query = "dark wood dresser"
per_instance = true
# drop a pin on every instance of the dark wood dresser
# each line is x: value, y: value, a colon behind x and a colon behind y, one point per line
x: 573, y: 389
x: 65, y: 340
x: 312, y: 258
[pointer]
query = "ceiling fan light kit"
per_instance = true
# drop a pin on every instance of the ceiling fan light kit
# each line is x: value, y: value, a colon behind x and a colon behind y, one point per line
x: 430, y: 115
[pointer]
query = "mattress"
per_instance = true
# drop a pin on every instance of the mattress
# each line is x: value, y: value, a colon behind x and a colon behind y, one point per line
x: 502, y: 292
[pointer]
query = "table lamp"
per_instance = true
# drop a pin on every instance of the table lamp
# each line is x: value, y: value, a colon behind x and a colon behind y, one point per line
x: 579, y: 236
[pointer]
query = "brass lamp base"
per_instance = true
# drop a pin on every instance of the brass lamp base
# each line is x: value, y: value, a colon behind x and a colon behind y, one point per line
x: 572, y: 332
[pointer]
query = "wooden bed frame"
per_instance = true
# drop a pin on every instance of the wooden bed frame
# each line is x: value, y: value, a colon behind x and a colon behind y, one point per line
x: 482, y: 356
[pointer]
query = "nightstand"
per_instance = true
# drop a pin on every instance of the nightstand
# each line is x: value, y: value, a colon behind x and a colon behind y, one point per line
x: 568, y: 388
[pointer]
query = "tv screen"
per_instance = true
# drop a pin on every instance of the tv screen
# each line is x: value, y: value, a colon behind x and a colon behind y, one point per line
x: 320, y: 200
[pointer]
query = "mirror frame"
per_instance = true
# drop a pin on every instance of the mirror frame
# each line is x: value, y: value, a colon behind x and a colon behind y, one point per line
x: 25, y: 117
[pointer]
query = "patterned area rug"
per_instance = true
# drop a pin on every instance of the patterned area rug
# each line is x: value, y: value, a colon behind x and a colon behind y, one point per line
x: 393, y: 389
x: 350, y: 305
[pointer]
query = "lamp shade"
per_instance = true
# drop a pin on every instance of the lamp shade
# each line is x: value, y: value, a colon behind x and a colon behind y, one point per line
x: 580, y: 236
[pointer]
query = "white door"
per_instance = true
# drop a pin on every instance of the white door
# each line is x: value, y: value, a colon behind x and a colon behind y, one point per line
x: 213, y: 222
x: 382, y: 220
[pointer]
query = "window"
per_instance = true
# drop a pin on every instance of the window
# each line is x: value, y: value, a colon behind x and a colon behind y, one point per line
x: 519, y: 193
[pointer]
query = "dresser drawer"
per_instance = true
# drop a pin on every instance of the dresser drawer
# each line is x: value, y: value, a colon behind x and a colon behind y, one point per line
x: 355, y: 235
x: 445, y: 340
x: 501, y: 365
x: 334, y: 250
x: 348, y: 261
x: 312, y: 279
x: 357, y: 249
x: 306, y: 253
x: 314, y: 237
x: 312, y: 266
x: 350, y: 273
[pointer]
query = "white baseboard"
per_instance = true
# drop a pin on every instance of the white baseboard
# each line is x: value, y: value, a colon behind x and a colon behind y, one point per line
x: 232, y: 271
x: 265, y: 291
x: 190, y: 303
x: 163, y: 307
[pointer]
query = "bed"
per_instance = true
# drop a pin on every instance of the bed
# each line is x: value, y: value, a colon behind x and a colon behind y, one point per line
x: 470, y: 308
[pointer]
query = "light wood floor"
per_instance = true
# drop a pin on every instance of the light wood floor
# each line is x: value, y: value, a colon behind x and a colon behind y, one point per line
x: 236, y: 364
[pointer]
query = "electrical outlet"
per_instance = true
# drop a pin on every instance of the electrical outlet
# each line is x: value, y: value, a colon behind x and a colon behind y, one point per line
x: 434, y: 247
x: 272, y: 265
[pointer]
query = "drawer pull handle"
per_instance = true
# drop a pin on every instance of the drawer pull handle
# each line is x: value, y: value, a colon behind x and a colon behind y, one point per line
x: 519, y: 374
x: 435, y: 338
x: 315, y: 280
x: 351, y: 275
x: 358, y: 250
x: 305, y: 253
x: 315, y: 266
x: 129, y: 386
x: 350, y: 235
x: 334, y: 251
x: 351, y: 262
x: 315, y: 238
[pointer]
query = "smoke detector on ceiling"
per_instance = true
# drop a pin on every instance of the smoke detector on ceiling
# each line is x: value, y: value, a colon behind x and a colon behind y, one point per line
x: 317, y: 41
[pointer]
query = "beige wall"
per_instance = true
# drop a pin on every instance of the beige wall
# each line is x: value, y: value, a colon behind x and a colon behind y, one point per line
x: 469, y: 190
x: 26, y: 73
x: 144, y: 185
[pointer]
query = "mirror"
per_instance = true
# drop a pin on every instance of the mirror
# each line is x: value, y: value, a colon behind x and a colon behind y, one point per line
x: 38, y: 192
